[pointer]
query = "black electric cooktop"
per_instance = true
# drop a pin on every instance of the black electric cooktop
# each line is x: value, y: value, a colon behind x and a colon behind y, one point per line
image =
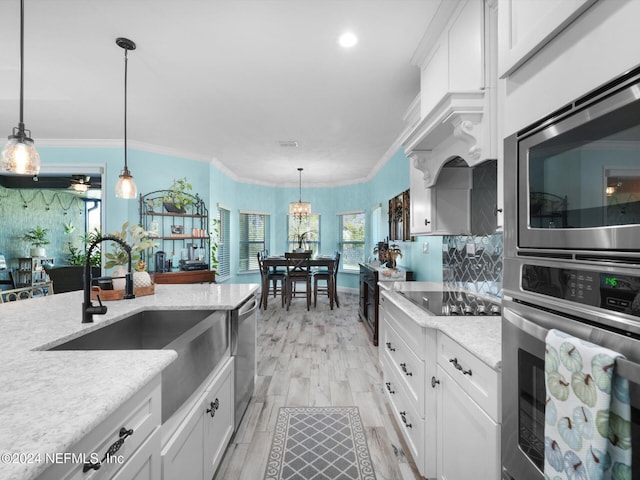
x: 451, y: 303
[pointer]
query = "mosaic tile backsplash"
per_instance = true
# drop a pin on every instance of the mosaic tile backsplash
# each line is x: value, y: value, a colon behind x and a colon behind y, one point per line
x: 473, y: 262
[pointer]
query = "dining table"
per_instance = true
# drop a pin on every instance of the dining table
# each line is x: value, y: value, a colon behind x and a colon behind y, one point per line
x: 316, y: 261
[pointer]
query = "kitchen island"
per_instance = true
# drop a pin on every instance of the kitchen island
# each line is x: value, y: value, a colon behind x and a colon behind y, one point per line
x: 50, y: 400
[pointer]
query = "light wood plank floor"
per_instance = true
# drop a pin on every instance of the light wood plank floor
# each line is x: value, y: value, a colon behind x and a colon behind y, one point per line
x: 319, y: 358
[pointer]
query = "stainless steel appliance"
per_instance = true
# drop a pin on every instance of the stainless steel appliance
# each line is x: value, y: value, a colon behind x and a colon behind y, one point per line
x: 602, y: 307
x: 574, y: 177
x: 243, y: 348
x: 572, y: 255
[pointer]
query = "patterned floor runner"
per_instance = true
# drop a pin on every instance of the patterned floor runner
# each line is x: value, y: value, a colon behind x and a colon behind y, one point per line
x: 319, y: 443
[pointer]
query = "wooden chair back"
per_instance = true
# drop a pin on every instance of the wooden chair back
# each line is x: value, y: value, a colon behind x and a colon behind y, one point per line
x: 25, y: 293
x: 298, y: 263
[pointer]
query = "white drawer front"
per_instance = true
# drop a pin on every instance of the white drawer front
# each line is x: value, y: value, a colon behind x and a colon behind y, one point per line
x: 140, y: 414
x: 476, y: 378
x: 409, y: 330
x: 407, y: 366
x: 410, y: 423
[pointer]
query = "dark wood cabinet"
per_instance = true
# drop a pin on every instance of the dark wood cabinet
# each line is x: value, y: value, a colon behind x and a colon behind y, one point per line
x: 370, y: 298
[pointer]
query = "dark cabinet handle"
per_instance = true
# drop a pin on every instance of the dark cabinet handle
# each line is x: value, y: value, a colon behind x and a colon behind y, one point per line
x: 389, y: 388
x: 403, y: 366
x: 497, y: 210
x: 434, y: 382
x: 426, y: 222
x: 111, y: 451
x: 215, y: 405
x: 459, y: 367
x: 404, y: 420
x: 390, y: 347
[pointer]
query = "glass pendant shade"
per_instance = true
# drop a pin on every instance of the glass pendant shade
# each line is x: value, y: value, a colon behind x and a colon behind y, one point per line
x: 299, y: 208
x: 126, y: 187
x: 20, y: 156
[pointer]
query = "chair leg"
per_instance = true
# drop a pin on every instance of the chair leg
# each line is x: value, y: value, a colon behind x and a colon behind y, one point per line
x: 308, y: 294
x: 315, y: 292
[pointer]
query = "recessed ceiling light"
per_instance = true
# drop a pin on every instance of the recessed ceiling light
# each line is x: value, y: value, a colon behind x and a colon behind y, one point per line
x: 347, y: 40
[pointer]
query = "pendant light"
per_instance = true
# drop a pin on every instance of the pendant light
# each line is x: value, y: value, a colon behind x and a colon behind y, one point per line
x: 300, y: 209
x: 19, y: 154
x: 126, y: 187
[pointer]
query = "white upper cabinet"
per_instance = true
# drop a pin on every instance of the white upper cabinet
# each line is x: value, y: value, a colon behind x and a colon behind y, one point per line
x: 525, y: 26
x: 455, y: 115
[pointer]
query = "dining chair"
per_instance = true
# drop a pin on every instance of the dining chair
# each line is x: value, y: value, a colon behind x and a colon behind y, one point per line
x: 298, y: 271
x: 272, y: 281
x: 330, y: 278
x: 26, y: 293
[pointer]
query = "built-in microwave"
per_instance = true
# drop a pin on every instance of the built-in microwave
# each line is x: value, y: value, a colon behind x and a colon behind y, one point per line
x: 576, y: 177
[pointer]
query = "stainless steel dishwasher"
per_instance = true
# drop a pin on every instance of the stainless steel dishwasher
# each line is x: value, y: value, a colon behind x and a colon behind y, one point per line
x: 243, y: 348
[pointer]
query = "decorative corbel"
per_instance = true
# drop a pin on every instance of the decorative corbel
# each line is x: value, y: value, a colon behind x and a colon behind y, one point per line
x: 420, y: 160
x: 464, y: 130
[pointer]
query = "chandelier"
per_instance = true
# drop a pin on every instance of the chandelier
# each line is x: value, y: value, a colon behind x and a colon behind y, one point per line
x: 300, y: 209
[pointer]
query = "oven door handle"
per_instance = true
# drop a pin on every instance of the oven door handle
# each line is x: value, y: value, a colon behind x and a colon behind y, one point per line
x: 624, y: 368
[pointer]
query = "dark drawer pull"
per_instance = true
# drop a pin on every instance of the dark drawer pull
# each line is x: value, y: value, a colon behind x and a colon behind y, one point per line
x: 215, y: 405
x: 403, y: 366
x: 404, y: 420
x: 390, y: 347
x: 111, y: 451
x: 459, y: 367
x: 434, y: 382
x: 389, y: 388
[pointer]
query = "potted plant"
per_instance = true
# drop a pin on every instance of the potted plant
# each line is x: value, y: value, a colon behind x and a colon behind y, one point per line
x: 78, y: 254
x: 393, y: 253
x: 178, y: 200
x: 37, y: 237
x: 139, y: 240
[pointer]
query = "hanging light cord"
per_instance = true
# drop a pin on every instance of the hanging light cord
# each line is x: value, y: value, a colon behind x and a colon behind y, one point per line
x: 21, y: 124
x: 300, y: 183
x: 126, y: 58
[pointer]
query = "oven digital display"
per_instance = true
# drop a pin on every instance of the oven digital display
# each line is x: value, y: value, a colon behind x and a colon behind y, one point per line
x: 619, y: 293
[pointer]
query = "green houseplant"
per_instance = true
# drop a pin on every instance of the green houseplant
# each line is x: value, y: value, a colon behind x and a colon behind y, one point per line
x: 178, y: 199
x: 78, y: 254
x: 137, y: 238
x: 37, y: 237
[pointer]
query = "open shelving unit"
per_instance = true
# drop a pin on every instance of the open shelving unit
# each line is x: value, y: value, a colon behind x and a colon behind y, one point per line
x: 182, y: 233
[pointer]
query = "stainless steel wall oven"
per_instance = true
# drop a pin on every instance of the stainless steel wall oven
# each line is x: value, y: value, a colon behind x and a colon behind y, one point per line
x: 572, y: 255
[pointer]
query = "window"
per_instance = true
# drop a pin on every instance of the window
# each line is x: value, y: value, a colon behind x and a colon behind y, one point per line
x: 224, y: 242
x: 254, y: 234
x: 352, y: 228
x: 307, y: 227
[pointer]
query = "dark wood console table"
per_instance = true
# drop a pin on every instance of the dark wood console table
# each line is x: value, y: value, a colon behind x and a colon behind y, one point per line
x: 370, y: 297
x: 191, y: 276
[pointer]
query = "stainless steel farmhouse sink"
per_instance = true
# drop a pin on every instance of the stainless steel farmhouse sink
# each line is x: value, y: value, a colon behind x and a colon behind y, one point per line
x: 200, y: 337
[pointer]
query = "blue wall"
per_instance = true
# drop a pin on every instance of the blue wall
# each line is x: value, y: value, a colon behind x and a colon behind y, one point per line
x: 153, y: 171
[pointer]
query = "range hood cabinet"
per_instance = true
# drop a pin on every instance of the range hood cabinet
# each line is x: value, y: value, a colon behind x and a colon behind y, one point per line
x: 462, y: 200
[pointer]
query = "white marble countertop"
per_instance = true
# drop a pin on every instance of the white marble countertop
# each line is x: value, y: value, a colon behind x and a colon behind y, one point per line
x: 51, y: 400
x: 481, y: 335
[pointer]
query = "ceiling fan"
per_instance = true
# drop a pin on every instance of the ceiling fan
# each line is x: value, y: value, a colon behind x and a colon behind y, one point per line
x: 82, y: 183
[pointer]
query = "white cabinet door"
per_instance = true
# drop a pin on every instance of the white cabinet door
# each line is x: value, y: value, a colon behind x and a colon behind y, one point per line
x: 420, y: 198
x: 145, y: 464
x: 183, y: 457
x: 196, y: 447
x: 218, y: 422
x: 468, y: 439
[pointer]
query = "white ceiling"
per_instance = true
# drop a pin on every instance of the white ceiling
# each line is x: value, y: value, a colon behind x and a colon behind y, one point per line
x: 220, y: 80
